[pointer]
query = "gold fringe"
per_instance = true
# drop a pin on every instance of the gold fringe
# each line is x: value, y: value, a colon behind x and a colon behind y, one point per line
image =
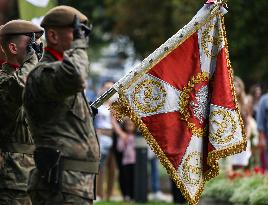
x: 237, y: 148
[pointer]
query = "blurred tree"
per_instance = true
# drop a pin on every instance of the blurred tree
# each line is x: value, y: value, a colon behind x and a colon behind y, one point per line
x: 149, y: 23
x: 8, y: 10
x: 146, y: 23
x: 95, y: 11
x: 247, y: 32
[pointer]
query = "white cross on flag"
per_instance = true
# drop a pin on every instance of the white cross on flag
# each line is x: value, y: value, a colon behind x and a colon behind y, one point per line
x: 182, y: 99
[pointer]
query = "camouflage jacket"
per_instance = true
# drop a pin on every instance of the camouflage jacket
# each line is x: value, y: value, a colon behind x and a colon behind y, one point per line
x: 60, y: 117
x: 15, y: 138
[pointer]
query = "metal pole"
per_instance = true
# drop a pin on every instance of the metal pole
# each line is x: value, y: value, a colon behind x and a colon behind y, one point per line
x: 140, y: 185
x: 104, y: 97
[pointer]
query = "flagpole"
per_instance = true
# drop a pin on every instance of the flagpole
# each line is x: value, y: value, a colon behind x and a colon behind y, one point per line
x: 104, y: 97
x: 138, y: 70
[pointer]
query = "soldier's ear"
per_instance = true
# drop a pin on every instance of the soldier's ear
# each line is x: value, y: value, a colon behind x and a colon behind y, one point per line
x: 13, y: 48
x: 52, y: 36
x: 1, y: 49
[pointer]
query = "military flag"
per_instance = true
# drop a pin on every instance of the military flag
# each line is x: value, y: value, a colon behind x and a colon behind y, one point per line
x: 182, y: 99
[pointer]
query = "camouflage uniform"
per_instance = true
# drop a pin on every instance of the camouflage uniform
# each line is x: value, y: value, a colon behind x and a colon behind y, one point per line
x: 15, y: 138
x: 60, y: 118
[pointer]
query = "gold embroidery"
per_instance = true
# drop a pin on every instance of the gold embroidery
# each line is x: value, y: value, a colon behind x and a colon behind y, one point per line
x: 215, y: 12
x: 209, y: 38
x: 235, y: 148
x: 227, y: 120
x: 149, y: 96
x: 185, y: 101
x: 192, y: 169
x: 197, y: 131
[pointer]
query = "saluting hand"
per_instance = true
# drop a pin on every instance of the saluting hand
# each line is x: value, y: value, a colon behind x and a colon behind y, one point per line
x: 80, y: 29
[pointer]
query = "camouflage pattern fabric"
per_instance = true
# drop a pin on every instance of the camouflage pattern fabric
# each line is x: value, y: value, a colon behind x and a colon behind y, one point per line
x: 15, y: 167
x: 60, y: 117
x: 15, y: 172
x: 14, y: 197
x: 52, y: 198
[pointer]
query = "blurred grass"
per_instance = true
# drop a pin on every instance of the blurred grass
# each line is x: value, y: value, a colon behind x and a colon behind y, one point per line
x: 127, y: 203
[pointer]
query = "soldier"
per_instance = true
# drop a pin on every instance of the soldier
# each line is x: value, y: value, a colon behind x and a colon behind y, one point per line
x: 67, y: 151
x: 2, y: 54
x: 16, y: 144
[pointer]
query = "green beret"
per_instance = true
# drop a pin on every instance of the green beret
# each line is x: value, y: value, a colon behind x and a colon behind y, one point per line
x: 62, y: 16
x: 19, y: 27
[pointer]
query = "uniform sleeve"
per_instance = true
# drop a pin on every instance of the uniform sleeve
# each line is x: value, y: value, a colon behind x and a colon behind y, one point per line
x: 11, y: 90
x: 66, y: 78
x: 15, y: 83
x: 261, y: 114
x: 29, y: 64
x: 10, y: 99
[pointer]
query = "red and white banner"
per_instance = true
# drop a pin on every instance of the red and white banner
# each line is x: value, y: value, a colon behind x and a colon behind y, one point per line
x: 182, y: 99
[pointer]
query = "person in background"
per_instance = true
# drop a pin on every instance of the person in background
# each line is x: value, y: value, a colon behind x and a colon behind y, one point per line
x: 177, y: 196
x: 254, y: 96
x: 90, y: 91
x: 20, y: 42
x: 126, y: 145
x: 104, y: 129
x: 252, y: 102
x: 262, y: 123
x: 241, y: 160
x: 156, y: 195
x: 118, y: 159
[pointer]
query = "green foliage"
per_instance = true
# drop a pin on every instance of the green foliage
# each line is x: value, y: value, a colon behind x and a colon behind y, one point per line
x: 95, y: 11
x: 127, y: 203
x: 150, y: 23
x: 259, y: 196
x: 247, y: 31
x: 249, y: 191
x: 220, y: 189
x: 248, y: 185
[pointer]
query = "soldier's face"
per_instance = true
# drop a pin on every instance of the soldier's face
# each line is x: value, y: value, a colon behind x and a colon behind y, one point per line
x: 60, y: 38
x: 66, y: 36
x: 18, y: 47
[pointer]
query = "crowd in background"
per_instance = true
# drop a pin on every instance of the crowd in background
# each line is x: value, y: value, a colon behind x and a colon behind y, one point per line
x: 254, y: 158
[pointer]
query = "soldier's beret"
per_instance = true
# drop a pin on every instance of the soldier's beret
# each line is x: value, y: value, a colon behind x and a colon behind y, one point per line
x: 19, y: 27
x: 61, y: 16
